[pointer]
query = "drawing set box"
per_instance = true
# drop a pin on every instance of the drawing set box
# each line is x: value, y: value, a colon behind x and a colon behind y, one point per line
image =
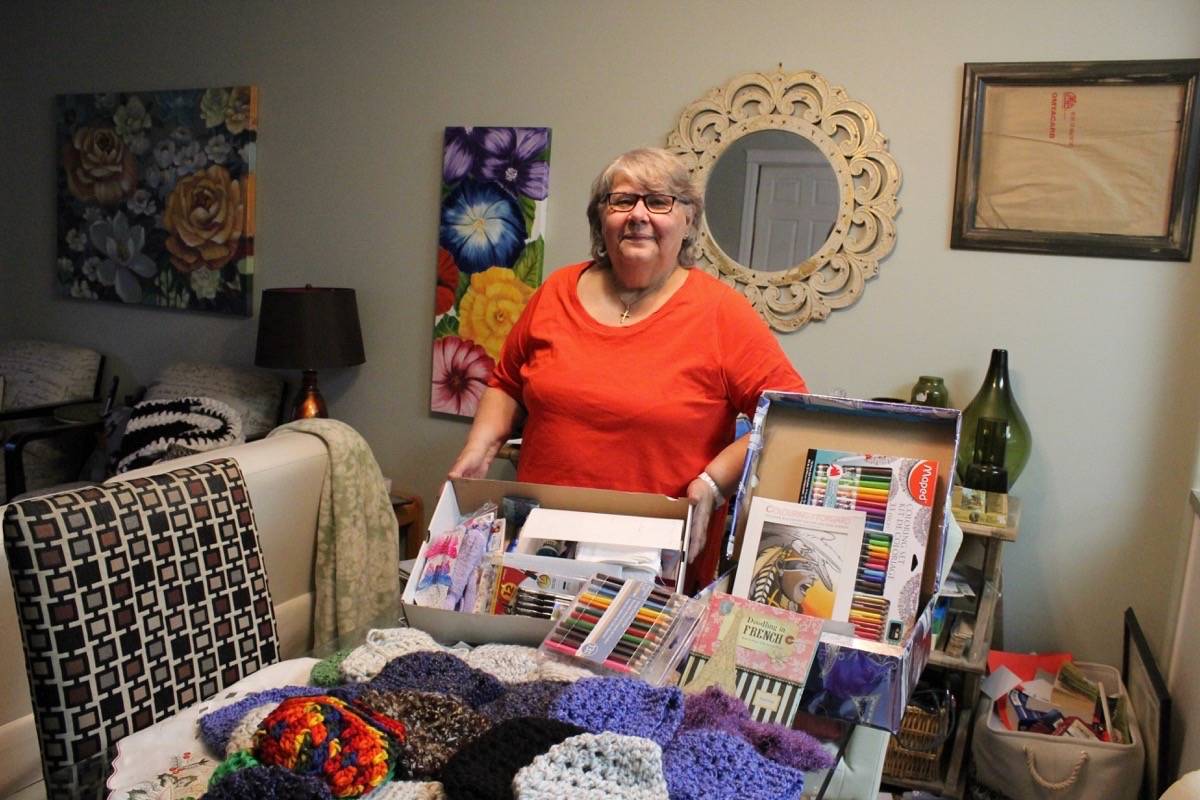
x: 460, y: 496
x: 865, y: 669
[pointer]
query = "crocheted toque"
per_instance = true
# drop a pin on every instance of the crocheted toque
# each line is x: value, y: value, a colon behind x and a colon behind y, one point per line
x: 329, y: 671
x: 531, y: 699
x: 352, y: 749
x: 233, y: 763
x: 441, y: 673
x: 714, y: 708
x: 409, y: 790
x: 217, y: 725
x: 383, y: 645
x: 621, y: 705
x: 552, y: 670
x: 484, y: 769
x: 711, y: 764
x: 510, y: 663
x: 437, y: 727
x: 595, y: 767
x: 259, y: 782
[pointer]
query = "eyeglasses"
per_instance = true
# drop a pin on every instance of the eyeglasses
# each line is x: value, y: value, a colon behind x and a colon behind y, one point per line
x: 655, y: 203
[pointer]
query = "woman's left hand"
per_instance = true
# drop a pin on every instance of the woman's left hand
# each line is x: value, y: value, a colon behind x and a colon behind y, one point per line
x: 704, y: 501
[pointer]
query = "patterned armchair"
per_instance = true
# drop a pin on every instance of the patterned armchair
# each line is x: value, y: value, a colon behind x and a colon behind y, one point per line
x: 36, y: 379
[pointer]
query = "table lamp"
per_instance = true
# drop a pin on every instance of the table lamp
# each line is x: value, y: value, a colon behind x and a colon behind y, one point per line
x: 308, y: 328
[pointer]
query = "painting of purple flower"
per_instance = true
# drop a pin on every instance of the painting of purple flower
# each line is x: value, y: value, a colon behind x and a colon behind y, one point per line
x: 462, y: 153
x: 482, y: 226
x: 514, y: 159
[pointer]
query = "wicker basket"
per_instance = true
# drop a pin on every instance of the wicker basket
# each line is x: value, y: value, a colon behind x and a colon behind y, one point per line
x: 915, y: 753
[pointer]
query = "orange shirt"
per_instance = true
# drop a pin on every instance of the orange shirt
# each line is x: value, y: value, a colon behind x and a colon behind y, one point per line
x: 643, y: 407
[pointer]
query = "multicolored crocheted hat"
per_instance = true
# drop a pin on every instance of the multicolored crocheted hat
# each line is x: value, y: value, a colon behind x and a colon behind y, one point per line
x: 437, y: 726
x: 595, y: 767
x: 484, y: 769
x: 714, y: 708
x: 440, y: 672
x: 352, y: 749
x: 217, y: 725
x: 712, y: 764
x: 621, y: 705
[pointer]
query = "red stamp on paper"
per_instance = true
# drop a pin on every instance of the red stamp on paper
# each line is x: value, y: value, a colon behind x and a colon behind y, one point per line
x: 1053, y: 129
x: 1068, y: 99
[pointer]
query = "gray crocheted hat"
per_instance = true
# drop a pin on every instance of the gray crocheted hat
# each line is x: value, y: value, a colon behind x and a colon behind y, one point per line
x: 595, y: 767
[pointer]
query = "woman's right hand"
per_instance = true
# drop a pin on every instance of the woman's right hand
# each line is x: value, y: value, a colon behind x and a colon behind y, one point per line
x: 472, y: 462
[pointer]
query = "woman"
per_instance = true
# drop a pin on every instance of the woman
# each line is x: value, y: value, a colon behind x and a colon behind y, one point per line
x: 629, y: 369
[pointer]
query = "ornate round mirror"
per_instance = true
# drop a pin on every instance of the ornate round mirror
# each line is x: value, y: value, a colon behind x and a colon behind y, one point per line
x: 799, y: 189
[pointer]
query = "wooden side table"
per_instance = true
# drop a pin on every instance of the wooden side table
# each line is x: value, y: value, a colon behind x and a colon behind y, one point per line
x: 410, y: 514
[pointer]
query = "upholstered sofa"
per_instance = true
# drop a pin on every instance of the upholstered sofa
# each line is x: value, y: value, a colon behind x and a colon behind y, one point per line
x: 283, y: 476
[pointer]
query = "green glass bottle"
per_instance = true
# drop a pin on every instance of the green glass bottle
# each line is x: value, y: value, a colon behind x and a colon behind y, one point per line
x: 930, y: 390
x: 995, y: 399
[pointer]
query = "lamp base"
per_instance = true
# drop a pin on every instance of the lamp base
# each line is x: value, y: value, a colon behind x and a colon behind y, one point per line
x: 309, y: 402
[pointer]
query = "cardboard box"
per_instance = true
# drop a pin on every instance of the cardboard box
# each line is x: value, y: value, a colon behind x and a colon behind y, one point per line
x: 854, y: 679
x: 462, y: 495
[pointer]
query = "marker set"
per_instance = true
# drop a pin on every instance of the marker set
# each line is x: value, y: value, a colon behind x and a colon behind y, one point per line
x: 627, y: 627
x: 896, y: 495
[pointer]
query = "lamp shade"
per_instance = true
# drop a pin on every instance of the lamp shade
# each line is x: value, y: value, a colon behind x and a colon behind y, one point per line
x: 308, y: 328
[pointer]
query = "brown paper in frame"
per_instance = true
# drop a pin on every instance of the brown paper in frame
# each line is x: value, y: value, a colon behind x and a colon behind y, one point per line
x: 1079, y: 159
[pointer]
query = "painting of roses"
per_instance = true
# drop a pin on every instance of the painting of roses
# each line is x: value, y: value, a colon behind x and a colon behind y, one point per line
x: 491, y: 242
x: 156, y: 197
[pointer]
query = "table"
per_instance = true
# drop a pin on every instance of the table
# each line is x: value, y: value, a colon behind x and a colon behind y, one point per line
x: 87, y: 779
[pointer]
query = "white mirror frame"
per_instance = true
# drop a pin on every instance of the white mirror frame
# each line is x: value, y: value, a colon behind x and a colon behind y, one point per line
x: 868, y: 180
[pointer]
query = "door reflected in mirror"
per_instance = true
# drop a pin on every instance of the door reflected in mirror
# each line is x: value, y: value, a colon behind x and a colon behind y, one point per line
x: 771, y: 200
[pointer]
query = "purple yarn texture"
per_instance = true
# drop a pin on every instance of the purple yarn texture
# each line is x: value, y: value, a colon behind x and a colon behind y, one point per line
x: 530, y: 699
x: 261, y: 782
x: 714, y: 708
x: 442, y: 673
x: 712, y: 764
x: 621, y: 705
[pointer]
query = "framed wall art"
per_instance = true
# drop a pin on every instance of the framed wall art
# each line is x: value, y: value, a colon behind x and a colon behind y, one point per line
x: 1095, y: 158
x: 491, y: 245
x: 156, y: 197
x: 1151, y: 705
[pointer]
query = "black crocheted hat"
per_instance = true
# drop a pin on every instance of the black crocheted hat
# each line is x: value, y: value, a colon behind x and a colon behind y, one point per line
x: 484, y: 769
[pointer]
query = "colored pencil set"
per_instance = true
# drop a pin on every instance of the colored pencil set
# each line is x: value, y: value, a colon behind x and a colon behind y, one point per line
x: 868, y: 607
x: 857, y: 488
x: 627, y: 627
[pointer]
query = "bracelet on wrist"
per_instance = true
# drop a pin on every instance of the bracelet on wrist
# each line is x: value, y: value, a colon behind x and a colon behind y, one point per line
x: 712, y: 484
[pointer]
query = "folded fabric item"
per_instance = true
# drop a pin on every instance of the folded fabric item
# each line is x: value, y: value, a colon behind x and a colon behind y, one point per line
x: 484, y: 769
x: 465, y: 569
x: 529, y: 699
x: 382, y: 645
x: 434, y: 582
x: 712, y: 764
x: 511, y: 663
x: 595, y: 767
x: 442, y: 673
x: 437, y: 726
x: 714, y: 708
x: 352, y: 749
x: 265, y: 781
x: 408, y: 790
x: 621, y: 705
x: 217, y: 725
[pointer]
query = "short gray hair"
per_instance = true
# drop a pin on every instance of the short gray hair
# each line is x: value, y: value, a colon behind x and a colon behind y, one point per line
x: 649, y: 166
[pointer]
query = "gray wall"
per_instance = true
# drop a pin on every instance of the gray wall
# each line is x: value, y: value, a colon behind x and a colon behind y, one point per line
x: 354, y: 96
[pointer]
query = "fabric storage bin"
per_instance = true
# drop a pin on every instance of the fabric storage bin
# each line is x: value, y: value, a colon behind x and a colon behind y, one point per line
x: 1034, y: 766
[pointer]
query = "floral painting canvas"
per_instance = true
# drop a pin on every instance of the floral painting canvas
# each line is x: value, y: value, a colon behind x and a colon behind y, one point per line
x: 491, y: 244
x: 156, y: 197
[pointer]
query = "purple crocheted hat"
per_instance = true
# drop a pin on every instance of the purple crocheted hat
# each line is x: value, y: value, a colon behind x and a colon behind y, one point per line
x: 441, y: 673
x: 712, y: 764
x: 257, y: 783
x: 531, y: 699
x: 714, y: 708
x: 484, y: 769
x: 621, y: 705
